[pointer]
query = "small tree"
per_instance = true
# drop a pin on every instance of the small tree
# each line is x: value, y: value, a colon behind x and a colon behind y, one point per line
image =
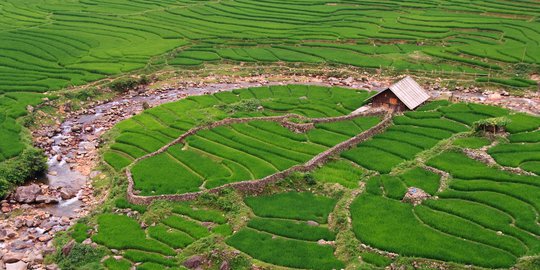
x: 497, y: 124
x: 145, y: 106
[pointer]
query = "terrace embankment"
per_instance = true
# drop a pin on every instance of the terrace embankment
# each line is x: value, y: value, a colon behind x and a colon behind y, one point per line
x: 72, y: 144
x: 255, y: 186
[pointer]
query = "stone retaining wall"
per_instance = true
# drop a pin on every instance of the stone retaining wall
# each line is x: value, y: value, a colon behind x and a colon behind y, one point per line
x: 258, y: 185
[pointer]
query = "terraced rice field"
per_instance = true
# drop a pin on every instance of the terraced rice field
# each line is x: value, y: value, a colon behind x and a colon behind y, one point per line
x: 478, y: 214
x: 483, y: 216
x: 56, y: 44
x: 285, y: 230
x: 155, y: 247
x: 473, y: 214
x: 50, y: 45
x: 418, y: 131
x: 237, y: 152
x: 12, y: 106
x: 523, y: 148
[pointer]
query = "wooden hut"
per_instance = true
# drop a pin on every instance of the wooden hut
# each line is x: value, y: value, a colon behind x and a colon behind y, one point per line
x: 406, y: 94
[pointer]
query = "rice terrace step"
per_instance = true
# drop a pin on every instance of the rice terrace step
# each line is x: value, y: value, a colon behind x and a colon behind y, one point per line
x: 262, y: 135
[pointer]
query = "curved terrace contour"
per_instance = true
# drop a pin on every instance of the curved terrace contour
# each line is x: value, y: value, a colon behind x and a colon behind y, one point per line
x: 290, y: 128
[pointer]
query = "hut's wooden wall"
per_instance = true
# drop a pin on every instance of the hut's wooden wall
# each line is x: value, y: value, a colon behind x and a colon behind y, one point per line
x: 388, y: 99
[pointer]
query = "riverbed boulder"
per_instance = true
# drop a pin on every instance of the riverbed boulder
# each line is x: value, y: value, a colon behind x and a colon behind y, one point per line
x: 66, y: 249
x: 20, y: 265
x: 27, y: 194
x: 12, y: 257
x: 194, y: 262
x: 46, y: 199
x: 67, y: 193
x: 312, y: 223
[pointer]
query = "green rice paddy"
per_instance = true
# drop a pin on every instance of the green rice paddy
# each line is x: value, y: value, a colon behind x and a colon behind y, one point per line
x: 57, y: 44
x: 282, y: 236
x: 476, y: 214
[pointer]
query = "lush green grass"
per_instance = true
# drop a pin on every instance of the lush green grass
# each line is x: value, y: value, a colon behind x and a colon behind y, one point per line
x: 284, y: 232
x: 80, y: 232
x: 53, y: 52
x: 191, y: 228
x: 340, y: 171
x: 141, y: 256
x: 483, y: 214
x: 529, y: 137
x: 472, y: 142
x: 522, y: 122
x: 472, y: 169
x: 423, y: 179
x: 291, y: 229
x: 376, y: 259
x: 292, y: 205
x: 200, y: 214
x: 124, y: 204
x: 156, y: 246
x: 113, y: 264
x: 122, y: 232
x: 283, y: 251
x: 172, y: 237
x: 513, y: 82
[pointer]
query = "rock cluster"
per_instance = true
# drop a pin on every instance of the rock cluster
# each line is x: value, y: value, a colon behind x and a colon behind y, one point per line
x: 40, y: 193
x: 415, y: 196
x: 529, y: 103
x: 26, y: 238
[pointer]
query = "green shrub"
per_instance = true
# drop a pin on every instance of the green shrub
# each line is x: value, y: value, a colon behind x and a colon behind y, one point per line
x: 29, y: 164
x: 81, y: 257
x: 126, y: 84
x: 122, y: 203
x: 80, y: 232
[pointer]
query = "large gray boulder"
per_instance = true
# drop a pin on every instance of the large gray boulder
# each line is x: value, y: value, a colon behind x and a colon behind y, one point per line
x: 27, y: 194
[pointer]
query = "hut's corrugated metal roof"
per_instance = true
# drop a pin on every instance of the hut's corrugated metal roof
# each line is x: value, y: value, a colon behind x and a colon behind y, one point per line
x: 409, y: 92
